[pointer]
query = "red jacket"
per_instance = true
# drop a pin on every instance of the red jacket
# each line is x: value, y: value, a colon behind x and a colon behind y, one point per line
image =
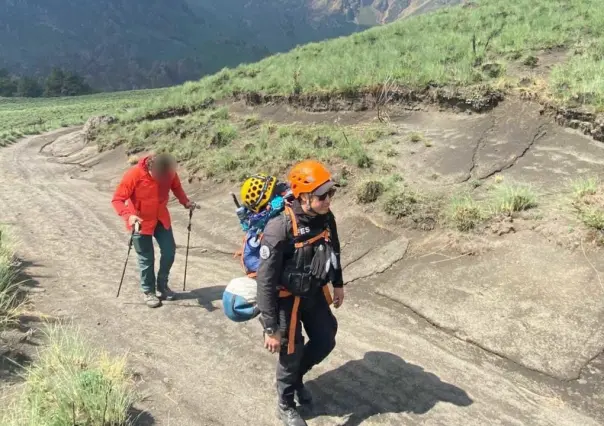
x: 140, y: 194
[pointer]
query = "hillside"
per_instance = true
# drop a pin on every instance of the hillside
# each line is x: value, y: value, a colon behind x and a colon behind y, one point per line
x: 375, y: 12
x: 123, y: 45
x: 540, y: 52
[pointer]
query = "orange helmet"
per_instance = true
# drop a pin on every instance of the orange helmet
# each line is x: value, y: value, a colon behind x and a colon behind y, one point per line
x: 309, y: 176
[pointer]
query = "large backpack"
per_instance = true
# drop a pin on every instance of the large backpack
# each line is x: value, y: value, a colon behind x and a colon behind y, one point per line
x: 239, y: 299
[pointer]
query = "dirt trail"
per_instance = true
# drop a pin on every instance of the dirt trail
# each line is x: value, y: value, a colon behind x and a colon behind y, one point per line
x: 389, y: 368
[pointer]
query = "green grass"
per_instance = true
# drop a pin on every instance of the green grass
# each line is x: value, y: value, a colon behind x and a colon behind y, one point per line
x: 435, y: 48
x: 213, y: 144
x: 73, y: 383
x: 512, y: 198
x: 9, y: 289
x: 588, y: 201
x: 465, y: 213
x: 585, y: 186
x: 416, y: 137
x: 20, y: 117
x: 431, y: 49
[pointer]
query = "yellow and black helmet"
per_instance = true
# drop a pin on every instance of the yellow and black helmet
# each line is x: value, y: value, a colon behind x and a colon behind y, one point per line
x: 257, y: 190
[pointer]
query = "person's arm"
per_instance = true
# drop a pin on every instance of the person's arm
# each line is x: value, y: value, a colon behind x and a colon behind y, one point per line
x: 269, y: 270
x: 338, y: 281
x: 178, y: 192
x: 123, y: 193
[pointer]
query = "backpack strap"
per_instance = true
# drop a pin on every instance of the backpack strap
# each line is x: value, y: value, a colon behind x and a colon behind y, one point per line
x: 296, y: 231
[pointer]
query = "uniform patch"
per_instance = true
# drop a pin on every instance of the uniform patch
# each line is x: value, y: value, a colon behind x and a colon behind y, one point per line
x: 265, y: 252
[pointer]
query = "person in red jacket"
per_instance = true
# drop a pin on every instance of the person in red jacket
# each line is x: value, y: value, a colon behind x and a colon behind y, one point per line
x: 142, y: 196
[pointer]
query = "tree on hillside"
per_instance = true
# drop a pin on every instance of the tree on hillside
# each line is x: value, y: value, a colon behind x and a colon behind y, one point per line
x: 74, y: 85
x: 8, y: 85
x: 61, y: 83
x: 28, y: 87
x: 54, y: 83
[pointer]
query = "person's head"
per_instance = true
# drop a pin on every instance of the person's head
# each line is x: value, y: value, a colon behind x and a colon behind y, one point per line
x: 311, y: 184
x: 161, y: 165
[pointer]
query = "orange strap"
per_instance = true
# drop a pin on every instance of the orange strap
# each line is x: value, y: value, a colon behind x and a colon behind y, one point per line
x: 327, y: 294
x: 295, y: 230
x: 293, y: 322
x: 292, y: 216
x: 293, y: 326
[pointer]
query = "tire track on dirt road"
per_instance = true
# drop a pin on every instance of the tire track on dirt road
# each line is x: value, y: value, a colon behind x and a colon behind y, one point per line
x: 197, y: 367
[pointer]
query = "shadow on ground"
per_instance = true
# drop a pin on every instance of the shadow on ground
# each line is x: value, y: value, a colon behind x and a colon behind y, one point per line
x: 140, y: 418
x: 379, y: 383
x: 205, y: 296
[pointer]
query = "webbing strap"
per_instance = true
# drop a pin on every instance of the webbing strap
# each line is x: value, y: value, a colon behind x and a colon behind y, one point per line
x: 295, y: 230
x: 292, y: 216
x: 293, y: 322
x: 291, y: 342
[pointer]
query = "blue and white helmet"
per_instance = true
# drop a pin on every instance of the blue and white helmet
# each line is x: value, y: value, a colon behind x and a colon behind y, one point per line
x: 239, y: 299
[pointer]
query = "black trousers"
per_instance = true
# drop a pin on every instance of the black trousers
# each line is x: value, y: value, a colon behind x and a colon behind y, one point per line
x: 320, y: 326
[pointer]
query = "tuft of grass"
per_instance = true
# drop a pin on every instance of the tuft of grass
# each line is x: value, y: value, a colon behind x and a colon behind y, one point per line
x: 531, y: 61
x: 585, y: 186
x: 509, y: 199
x: 465, y: 213
x: 9, y: 288
x: 401, y: 202
x: 369, y: 191
x: 416, y: 137
x: 592, y: 216
x: 73, y: 383
x: 588, y: 200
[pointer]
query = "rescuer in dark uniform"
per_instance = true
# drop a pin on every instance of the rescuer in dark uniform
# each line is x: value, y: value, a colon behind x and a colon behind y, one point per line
x: 300, y: 255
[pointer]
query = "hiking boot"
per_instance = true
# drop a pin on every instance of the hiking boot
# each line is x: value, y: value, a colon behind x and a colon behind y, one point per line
x: 165, y: 294
x: 303, y: 396
x: 151, y: 300
x: 290, y: 416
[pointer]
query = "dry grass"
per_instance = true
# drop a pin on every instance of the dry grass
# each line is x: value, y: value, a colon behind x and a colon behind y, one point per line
x: 511, y: 198
x: 416, y: 137
x: 9, y: 288
x: 73, y: 383
x: 465, y: 213
x: 588, y: 201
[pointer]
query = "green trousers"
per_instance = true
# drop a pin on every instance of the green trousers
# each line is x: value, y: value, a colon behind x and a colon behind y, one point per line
x: 143, y: 244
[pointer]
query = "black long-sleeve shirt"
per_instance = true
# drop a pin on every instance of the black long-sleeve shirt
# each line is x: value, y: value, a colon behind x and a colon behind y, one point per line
x: 278, y: 246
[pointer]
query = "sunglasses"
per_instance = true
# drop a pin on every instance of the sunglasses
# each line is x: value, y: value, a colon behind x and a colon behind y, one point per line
x: 329, y: 194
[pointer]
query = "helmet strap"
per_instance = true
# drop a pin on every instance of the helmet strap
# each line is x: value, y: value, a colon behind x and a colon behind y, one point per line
x: 309, y: 208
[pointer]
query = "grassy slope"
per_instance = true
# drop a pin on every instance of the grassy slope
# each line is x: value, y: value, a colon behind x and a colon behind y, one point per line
x: 20, y: 117
x: 430, y: 49
x: 212, y: 143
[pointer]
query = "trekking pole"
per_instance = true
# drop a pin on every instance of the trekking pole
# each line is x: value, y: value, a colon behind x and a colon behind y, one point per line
x: 184, y: 284
x: 135, y: 228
